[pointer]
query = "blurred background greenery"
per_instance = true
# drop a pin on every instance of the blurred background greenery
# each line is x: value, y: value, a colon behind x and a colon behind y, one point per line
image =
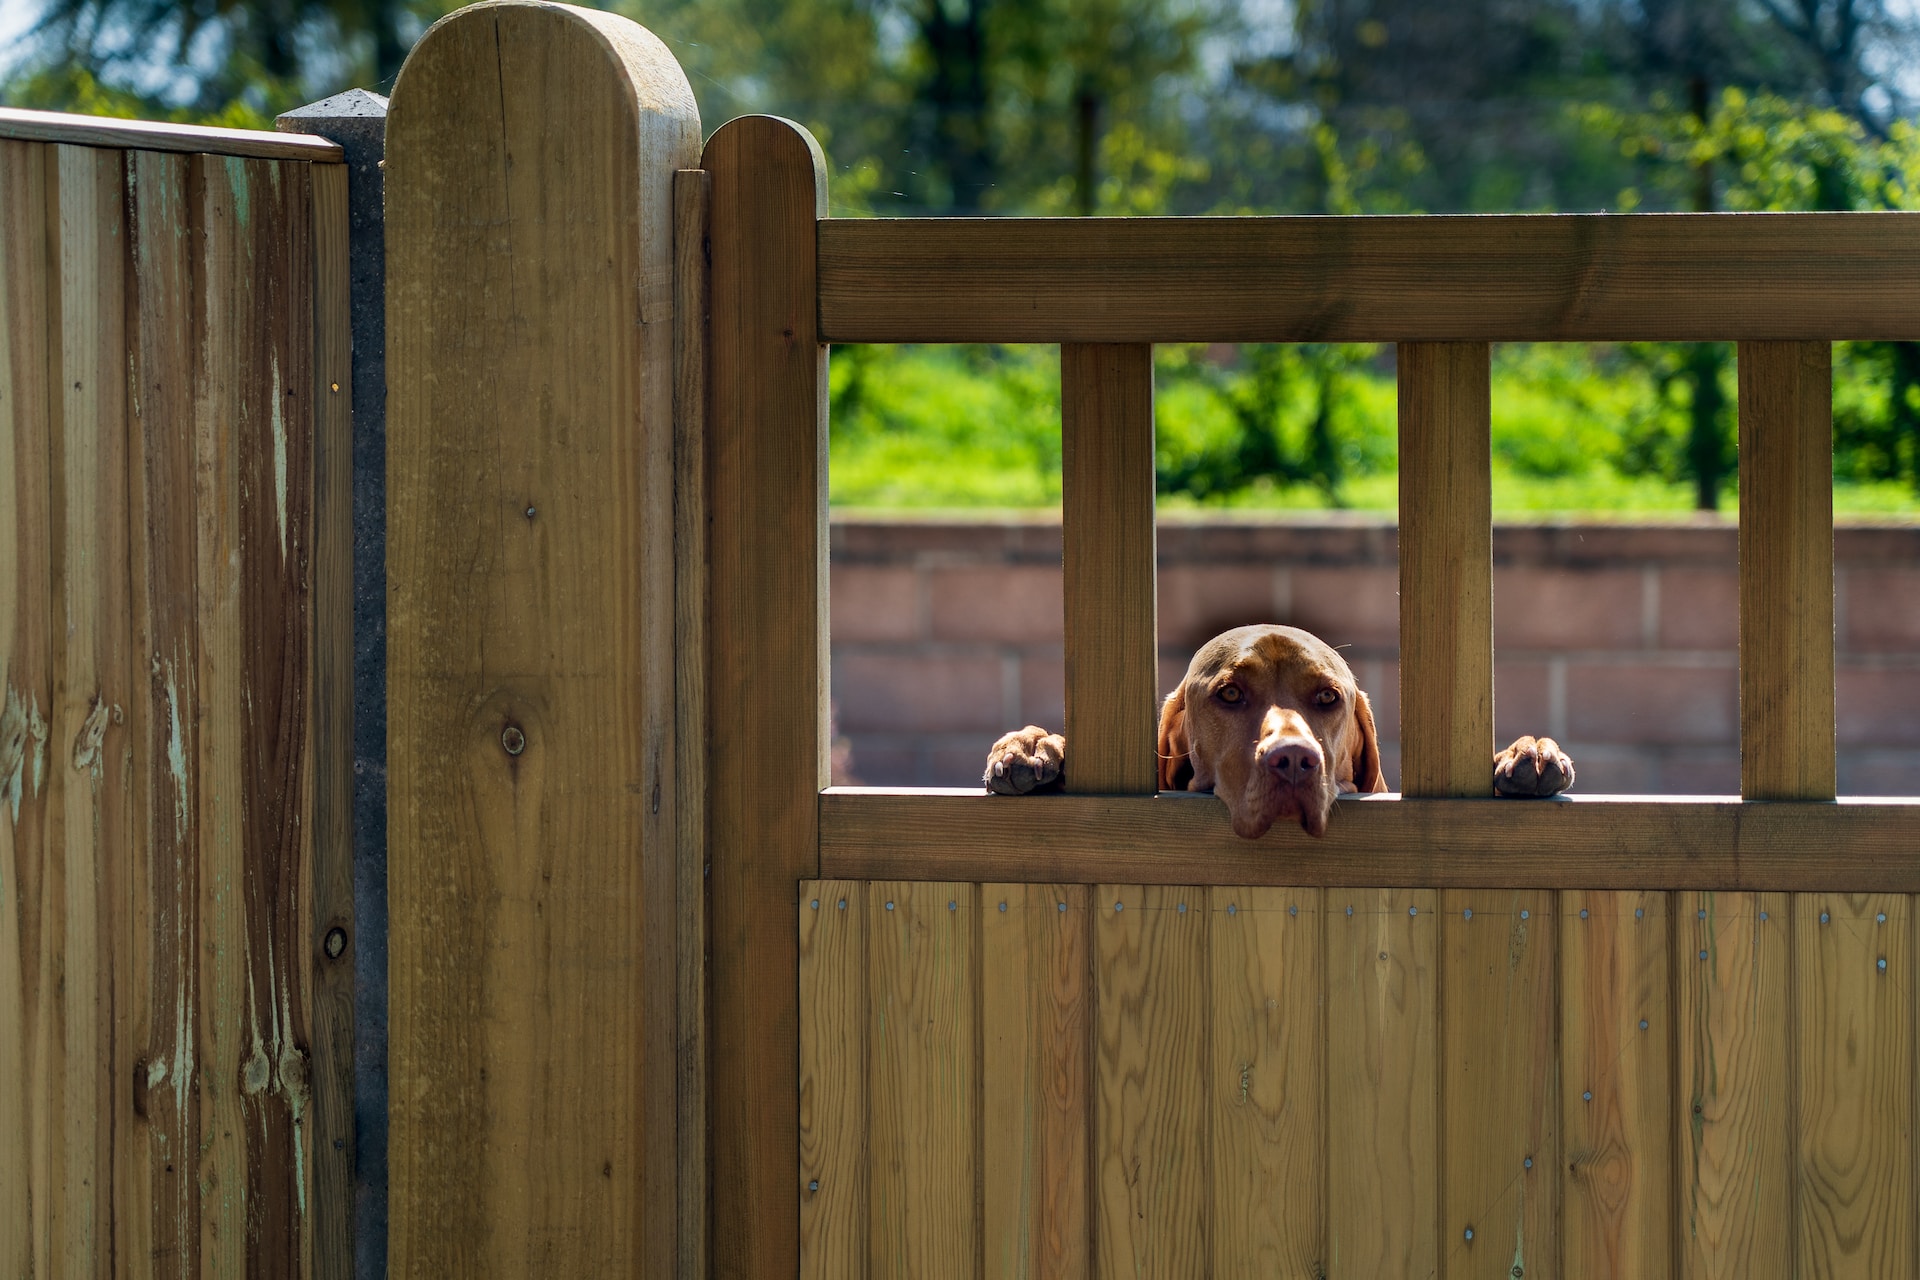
x: 984, y: 107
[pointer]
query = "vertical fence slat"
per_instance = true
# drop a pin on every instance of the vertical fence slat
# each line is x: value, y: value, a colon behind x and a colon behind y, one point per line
x: 1383, y: 1122
x: 1615, y: 1084
x: 1268, y: 1091
x: 766, y: 489
x: 1499, y: 1084
x: 921, y: 1046
x: 28, y: 929
x: 1034, y: 1104
x: 833, y: 1080
x: 530, y: 154
x: 1150, y: 1087
x: 1107, y: 497
x: 1853, y: 1055
x: 1735, y: 1101
x: 1786, y: 571
x: 1446, y: 569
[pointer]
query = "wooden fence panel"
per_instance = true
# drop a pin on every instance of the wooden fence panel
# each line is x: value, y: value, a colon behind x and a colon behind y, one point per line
x: 1853, y: 1046
x: 833, y: 1080
x: 1035, y: 1008
x: 1151, y: 1189
x: 1267, y: 1078
x: 1499, y: 1084
x: 923, y: 1139
x: 1615, y: 1021
x: 1731, y: 1039
x: 1383, y: 1121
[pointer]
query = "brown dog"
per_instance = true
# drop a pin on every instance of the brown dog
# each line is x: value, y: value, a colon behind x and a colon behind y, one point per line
x: 1270, y: 720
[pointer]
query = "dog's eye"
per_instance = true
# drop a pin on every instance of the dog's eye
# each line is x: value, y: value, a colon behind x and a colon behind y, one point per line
x: 1327, y: 697
x: 1230, y: 694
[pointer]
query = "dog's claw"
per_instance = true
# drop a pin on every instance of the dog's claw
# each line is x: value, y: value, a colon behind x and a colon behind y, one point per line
x: 1025, y: 760
x: 1532, y: 767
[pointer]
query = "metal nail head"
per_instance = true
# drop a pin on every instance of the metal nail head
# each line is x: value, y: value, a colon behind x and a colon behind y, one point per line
x: 336, y: 942
x: 1063, y: 908
x: 1525, y: 914
x: 513, y: 739
x: 1583, y: 913
x: 816, y: 904
x: 1003, y: 906
x: 1823, y: 917
x: 1413, y: 911
x: 1467, y: 914
x: 952, y: 905
x: 1293, y: 909
x: 1883, y: 964
x: 889, y: 906
x: 1233, y: 909
x: 1587, y: 1096
x: 1469, y: 1233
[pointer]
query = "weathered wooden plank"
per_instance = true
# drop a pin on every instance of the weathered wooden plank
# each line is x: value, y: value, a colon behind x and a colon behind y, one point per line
x: 531, y: 629
x: 330, y: 951
x: 1150, y: 1167
x: 1267, y: 1081
x: 833, y: 1080
x: 1786, y: 571
x: 1545, y: 278
x: 1607, y: 842
x: 29, y: 927
x: 1383, y: 1123
x: 1500, y: 1084
x: 922, y: 1074
x: 1615, y: 1082
x: 766, y: 494
x: 1853, y: 1061
x: 158, y: 135
x: 691, y: 196
x: 1108, y: 593
x: 1034, y: 1101
x: 1446, y: 570
x: 91, y: 832
x: 1732, y: 1030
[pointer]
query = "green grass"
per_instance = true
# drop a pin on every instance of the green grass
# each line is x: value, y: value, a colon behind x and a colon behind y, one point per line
x: 972, y: 429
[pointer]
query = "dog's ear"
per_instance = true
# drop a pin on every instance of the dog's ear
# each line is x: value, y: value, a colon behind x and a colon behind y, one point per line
x: 1367, y: 773
x: 1175, y: 769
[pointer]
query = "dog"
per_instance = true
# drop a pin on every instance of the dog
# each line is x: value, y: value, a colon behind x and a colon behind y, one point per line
x: 1271, y: 720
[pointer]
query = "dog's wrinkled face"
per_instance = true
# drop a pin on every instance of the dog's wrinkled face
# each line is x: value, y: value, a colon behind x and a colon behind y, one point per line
x: 1269, y: 719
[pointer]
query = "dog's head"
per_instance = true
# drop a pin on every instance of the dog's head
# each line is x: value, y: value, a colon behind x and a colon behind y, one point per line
x: 1270, y: 720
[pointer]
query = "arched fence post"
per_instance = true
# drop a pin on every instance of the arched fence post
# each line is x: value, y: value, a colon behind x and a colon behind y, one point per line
x: 534, y: 804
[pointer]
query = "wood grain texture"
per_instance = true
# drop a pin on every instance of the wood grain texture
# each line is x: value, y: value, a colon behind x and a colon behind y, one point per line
x: 691, y: 196
x: 833, y: 1080
x: 1446, y: 570
x: 1107, y: 493
x: 29, y: 923
x: 1547, y: 278
x: 157, y: 135
x: 1499, y: 1084
x: 1732, y: 1037
x: 531, y: 614
x: 1616, y: 1187
x: 1786, y: 571
x: 1266, y: 1078
x: 331, y: 1213
x: 767, y: 629
x: 1035, y: 1007
x: 1383, y: 1122
x: 922, y: 1080
x: 1151, y: 1171
x: 1853, y: 1061
x: 1609, y: 842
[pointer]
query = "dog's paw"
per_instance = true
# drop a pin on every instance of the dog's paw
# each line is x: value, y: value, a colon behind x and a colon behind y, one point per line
x: 1025, y: 760
x: 1532, y: 767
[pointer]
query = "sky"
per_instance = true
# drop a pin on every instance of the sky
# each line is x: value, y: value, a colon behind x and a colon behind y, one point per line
x: 16, y: 19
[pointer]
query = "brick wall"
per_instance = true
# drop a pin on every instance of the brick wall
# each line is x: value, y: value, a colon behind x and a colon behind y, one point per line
x: 1618, y: 640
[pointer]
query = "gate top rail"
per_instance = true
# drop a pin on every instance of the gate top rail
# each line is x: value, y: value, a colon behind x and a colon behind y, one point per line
x: 1678, y: 277
x: 154, y: 135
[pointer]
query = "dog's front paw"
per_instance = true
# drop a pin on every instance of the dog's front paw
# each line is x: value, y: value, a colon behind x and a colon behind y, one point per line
x: 1025, y: 760
x: 1532, y: 767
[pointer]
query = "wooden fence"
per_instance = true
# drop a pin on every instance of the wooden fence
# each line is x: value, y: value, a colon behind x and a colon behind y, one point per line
x: 173, y: 1030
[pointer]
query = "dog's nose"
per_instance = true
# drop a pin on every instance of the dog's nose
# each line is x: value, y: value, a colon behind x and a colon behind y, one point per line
x: 1295, y: 760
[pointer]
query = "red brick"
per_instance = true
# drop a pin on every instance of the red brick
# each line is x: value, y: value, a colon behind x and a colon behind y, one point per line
x: 1611, y: 771
x: 874, y: 603
x: 1635, y: 702
x: 1383, y: 696
x: 1199, y: 602
x: 1878, y: 708
x: 1043, y: 691
x: 1358, y: 606
x: 1699, y: 609
x: 1519, y: 702
x: 1883, y: 610
x: 1015, y: 603
x: 883, y: 760
x: 955, y: 764
x: 898, y: 693
x: 1567, y: 609
x: 1880, y: 773
x: 1706, y: 772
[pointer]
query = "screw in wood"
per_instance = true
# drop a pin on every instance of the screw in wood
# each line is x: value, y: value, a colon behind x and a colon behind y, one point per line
x: 513, y: 739
x: 336, y: 942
